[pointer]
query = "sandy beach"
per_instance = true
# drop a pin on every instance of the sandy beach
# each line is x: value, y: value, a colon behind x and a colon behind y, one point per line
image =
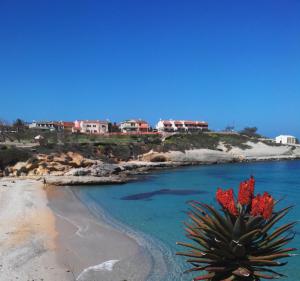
x: 28, y: 234
x: 48, y: 234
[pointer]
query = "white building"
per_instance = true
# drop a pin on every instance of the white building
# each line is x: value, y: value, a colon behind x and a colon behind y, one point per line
x: 46, y: 125
x: 181, y: 126
x: 90, y: 127
x: 286, y: 139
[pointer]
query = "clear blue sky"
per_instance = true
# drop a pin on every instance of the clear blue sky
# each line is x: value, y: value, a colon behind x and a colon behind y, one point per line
x: 220, y: 61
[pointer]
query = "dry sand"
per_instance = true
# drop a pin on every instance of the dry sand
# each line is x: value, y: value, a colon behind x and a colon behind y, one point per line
x: 27, y: 234
x: 56, y: 238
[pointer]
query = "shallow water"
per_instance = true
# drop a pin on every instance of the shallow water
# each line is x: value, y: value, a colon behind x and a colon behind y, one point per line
x: 155, y: 207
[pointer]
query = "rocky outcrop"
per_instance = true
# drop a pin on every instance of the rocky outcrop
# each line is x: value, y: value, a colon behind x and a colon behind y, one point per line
x: 204, y: 156
x: 96, y: 170
x: 223, y: 154
x: 73, y: 168
x: 55, y: 164
x: 261, y: 150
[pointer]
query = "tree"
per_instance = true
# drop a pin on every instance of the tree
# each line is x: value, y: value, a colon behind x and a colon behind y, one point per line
x: 4, y: 130
x: 250, y: 132
x: 113, y: 128
x: 19, y: 125
x: 229, y: 128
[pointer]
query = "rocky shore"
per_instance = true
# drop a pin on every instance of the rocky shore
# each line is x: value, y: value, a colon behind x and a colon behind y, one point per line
x: 72, y: 168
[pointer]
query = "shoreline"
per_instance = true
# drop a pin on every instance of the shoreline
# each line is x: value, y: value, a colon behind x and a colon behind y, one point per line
x: 135, y: 169
x: 92, y: 248
x: 153, y: 248
x: 49, y: 234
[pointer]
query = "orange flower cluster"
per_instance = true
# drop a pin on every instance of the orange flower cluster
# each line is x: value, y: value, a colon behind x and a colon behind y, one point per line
x: 246, y: 192
x: 226, y: 200
x: 262, y: 205
x: 258, y: 206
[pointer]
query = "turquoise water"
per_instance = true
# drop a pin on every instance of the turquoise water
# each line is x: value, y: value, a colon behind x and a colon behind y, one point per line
x: 159, y: 218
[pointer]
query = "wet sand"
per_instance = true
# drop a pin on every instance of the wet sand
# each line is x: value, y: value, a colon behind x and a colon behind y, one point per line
x: 91, y: 249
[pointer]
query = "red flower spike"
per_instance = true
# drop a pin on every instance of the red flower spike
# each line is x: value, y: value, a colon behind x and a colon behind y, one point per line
x: 246, y: 192
x: 232, y: 208
x: 262, y: 205
x: 268, y: 205
x: 256, y: 209
x: 226, y: 200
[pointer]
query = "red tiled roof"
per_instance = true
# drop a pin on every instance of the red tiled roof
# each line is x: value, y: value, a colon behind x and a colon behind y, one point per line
x: 144, y: 125
x: 68, y: 124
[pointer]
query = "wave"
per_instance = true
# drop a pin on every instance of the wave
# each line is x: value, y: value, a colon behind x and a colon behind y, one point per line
x: 107, y: 265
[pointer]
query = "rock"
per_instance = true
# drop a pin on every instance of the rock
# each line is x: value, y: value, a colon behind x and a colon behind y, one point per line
x: 41, y: 170
x: 99, y: 170
x: 6, y: 172
x: 19, y: 168
x: 76, y: 158
x: 49, y: 157
x: 53, y: 166
x: 78, y: 172
x: 31, y: 165
x: 88, y: 162
x: 158, y: 158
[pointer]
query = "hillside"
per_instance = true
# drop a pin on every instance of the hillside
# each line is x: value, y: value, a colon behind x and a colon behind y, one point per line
x: 62, y: 155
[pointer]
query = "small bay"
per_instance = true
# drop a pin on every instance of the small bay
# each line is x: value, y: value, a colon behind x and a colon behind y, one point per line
x: 155, y: 206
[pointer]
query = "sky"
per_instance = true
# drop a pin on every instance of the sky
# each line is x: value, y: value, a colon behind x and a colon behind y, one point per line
x: 226, y: 62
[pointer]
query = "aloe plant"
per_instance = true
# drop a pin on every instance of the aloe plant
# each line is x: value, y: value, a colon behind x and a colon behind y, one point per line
x: 239, y: 242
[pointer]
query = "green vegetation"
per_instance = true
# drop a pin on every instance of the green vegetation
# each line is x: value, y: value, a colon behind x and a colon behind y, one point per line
x: 114, y: 148
x: 27, y: 136
x: 205, y: 140
x: 10, y: 155
x: 250, y: 132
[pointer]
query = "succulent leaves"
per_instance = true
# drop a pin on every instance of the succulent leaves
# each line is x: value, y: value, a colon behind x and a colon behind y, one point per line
x: 236, y: 244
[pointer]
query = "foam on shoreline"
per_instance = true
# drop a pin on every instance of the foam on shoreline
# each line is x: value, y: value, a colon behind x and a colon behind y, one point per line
x: 158, y: 253
x: 90, y: 247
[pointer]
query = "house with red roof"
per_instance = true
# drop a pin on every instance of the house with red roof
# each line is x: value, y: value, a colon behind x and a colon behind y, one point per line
x: 181, y: 126
x: 134, y: 126
x: 67, y: 126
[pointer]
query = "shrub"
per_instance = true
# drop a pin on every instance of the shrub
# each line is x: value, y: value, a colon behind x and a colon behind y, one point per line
x: 238, y: 244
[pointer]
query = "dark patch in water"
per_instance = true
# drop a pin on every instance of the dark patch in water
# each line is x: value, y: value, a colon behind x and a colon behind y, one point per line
x: 147, y: 195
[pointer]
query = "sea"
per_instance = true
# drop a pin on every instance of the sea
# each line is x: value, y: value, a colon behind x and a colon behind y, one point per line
x: 153, y: 209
